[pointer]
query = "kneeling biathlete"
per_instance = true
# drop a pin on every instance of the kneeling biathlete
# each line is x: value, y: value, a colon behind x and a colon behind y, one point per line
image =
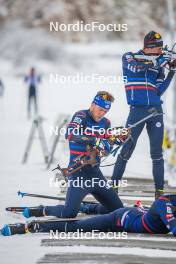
x: 89, y: 123
x: 160, y: 218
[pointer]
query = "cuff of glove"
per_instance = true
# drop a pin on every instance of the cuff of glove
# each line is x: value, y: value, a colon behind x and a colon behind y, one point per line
x: 97, y: 141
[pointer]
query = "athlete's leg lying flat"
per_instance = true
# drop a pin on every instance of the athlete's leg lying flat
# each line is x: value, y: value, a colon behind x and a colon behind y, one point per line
x: 159, y: 219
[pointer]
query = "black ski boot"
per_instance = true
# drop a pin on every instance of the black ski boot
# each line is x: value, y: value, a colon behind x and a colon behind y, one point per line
x: 13, y: 229
x: 33, y: 211
x: 158, y: 193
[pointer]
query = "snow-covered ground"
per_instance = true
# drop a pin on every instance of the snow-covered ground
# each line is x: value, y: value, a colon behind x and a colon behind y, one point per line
x: 54, y: 98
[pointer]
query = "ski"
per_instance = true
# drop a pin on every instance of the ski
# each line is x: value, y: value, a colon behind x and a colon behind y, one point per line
x: 18, y: 209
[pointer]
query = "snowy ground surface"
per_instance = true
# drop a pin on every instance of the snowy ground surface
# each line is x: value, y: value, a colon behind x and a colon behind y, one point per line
x: 55, y: 98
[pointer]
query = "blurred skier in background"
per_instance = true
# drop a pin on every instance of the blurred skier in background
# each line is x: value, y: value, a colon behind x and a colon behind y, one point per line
x: 1, y: 96
x: 32, y: 79
x: 1, y: 88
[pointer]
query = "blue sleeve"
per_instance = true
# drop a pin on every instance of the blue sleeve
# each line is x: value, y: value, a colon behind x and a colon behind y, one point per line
x: 163, y: 83
x: 165, y: 210
x: 75, y: 130
x: 130, y: 63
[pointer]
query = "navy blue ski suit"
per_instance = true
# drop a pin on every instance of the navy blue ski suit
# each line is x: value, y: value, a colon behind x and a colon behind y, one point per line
x: 144, y: 87
x: 159, y: 219
x: 89, y: 176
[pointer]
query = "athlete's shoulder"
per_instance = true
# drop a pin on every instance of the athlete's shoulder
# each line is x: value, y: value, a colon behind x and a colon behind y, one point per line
x: 79, y: 117
x: 81, y: 113
x: 130, y: 55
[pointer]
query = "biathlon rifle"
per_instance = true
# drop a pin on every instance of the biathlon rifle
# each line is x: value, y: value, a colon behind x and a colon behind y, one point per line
x: 115, y: 134
x: 153, y: 58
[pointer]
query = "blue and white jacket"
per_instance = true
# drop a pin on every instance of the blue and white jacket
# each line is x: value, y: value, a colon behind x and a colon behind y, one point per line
x: 145, y: 83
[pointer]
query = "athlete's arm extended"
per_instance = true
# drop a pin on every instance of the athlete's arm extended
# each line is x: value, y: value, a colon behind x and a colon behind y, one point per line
x: 134, y: 65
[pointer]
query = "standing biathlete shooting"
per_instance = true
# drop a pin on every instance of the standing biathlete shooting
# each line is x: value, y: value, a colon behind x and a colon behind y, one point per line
x: 146, y: 83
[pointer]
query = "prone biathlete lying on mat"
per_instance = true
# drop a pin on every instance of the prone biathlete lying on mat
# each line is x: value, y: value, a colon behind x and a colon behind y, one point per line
x: 160, y: 218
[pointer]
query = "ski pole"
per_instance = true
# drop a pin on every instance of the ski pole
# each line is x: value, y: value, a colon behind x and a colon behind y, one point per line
x: 23, y: 194
x: 154, y: 113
